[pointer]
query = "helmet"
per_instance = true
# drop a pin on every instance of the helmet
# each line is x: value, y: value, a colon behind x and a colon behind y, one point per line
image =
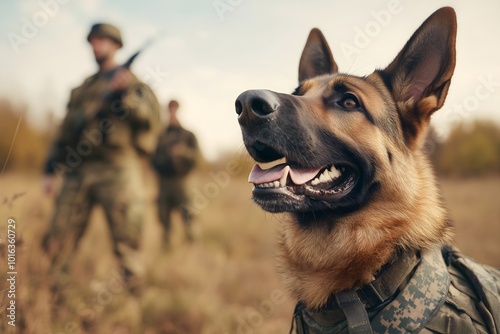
x: 106, y: 30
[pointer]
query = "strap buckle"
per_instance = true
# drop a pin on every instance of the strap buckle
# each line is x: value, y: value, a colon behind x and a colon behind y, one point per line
x: 371, y: 295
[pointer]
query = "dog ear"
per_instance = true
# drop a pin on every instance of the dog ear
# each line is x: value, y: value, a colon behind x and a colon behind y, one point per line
x: 420, y: 75
x: 316, y: 58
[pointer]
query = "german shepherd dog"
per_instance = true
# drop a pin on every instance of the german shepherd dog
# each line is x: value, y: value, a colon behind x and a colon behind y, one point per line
x: 363, y: 246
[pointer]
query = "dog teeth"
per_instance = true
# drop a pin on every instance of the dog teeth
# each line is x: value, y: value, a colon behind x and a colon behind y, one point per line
x: 327, y: 176
x: 324, y: 177
x: 278, y: 183
x: 274, y: 184
x: 334, y: 172
x: 282, y: 182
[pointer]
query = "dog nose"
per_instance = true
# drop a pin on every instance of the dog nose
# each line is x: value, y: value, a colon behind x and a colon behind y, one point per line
x: 256, y: 103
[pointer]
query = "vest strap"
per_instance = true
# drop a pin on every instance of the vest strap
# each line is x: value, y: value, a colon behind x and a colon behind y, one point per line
x: 354, y: 311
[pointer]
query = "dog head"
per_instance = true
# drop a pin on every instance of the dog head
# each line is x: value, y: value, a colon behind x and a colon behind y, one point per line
x: 351, y: 175
x: 343, y: 139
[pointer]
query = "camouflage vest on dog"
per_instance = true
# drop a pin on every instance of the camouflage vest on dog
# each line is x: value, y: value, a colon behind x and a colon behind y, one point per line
x: 435, y: 292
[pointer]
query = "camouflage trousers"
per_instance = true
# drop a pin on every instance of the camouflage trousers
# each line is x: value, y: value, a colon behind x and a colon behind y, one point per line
x: 172, y: 196
x: 118, y: 190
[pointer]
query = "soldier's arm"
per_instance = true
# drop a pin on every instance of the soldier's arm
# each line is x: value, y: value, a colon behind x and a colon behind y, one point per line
x: 192, y: 144
x: 141, y: 105
x: 162, y: 159
x: 137, y: 105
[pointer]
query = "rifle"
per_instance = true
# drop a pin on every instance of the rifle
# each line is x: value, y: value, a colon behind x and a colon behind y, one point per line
x: 126, y: 65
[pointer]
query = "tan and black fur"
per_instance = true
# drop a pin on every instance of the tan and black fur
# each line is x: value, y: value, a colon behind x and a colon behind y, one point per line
x: 375, y: 126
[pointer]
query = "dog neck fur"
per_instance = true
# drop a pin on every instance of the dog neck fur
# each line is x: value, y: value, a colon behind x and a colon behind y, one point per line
x: 346, y: 252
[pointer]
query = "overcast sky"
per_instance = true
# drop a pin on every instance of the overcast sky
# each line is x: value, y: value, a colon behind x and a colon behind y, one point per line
x: 216, y: 49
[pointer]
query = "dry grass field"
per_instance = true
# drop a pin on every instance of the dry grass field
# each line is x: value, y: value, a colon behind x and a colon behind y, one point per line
x: 223, y: 282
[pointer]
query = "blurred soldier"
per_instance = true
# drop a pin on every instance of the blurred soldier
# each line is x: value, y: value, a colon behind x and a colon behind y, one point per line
x: 110, y: 126
x: 175, y: 157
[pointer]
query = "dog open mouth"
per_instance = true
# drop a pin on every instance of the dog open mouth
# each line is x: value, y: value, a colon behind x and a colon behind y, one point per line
x: 327, y: 183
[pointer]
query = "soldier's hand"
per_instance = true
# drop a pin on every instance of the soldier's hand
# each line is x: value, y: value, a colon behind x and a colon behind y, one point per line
x: 121, y: 80
x: 48, y: 184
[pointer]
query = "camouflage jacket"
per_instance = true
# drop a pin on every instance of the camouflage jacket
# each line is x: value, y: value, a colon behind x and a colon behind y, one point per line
x: 437, y: 292
x: 100, y: 124
x: 176, y: 152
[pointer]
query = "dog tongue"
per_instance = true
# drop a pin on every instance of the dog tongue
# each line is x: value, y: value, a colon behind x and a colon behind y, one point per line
x: 298, y: 175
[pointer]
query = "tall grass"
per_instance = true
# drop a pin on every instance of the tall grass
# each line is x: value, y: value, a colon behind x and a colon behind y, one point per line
x: 224, y: 282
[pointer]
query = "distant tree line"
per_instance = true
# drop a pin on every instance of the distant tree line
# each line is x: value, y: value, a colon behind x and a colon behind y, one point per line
x: 22, y: 145
x: 471, y: 149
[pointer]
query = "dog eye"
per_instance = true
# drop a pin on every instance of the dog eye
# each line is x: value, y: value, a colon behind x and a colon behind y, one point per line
x: 349, y: 101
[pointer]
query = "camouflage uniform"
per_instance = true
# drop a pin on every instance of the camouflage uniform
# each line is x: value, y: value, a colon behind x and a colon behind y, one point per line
x: 174, y: 158
x: 437, y: 292
x: 98, y: 152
